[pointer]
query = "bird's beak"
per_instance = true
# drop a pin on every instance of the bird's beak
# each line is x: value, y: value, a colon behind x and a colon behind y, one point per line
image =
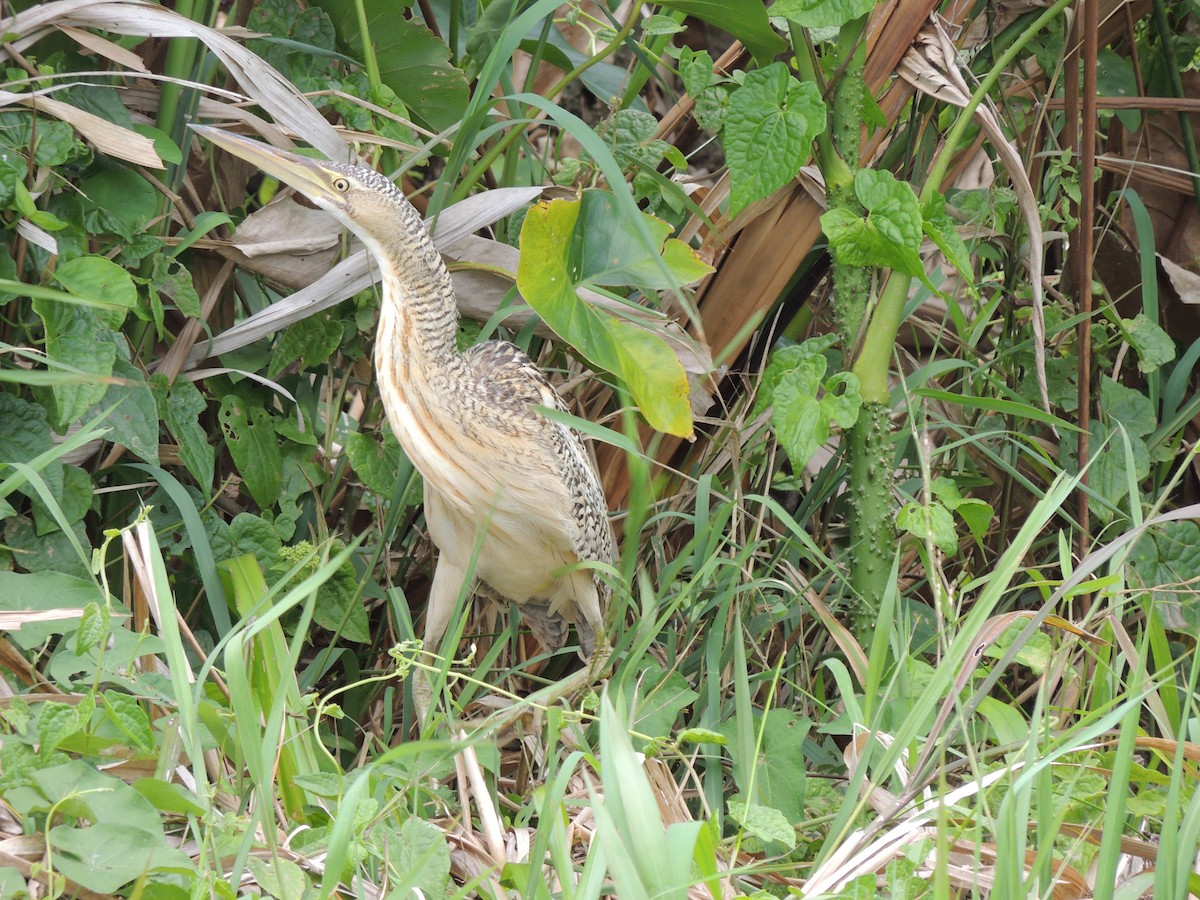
x: 308, y: 176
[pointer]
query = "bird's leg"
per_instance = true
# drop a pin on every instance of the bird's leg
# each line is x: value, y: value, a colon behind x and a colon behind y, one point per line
x: 448, y: 580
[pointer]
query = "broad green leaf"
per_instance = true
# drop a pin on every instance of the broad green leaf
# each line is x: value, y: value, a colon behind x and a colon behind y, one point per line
x: 696, y: 70
x: 250, y: 437
x: 842, y: 400
x: 98, y: 279
x: 821, y: 13
x: 120, y: 201
x: 553, y: 247
x: 1153, y: 345
x: 422, y: 854
x: 73, y: 496
x: 779, y: 779
x: 174, y: 281
x: 94, y: 627
x: 375, y: 459
x: 413, y: 62
x: 1131, y: 408
x: 889, y: 237
x: 104, y: 858
x: 612, y: 256
x: 56, y: 723
x: 803, y: 405
x: 1166, y: 562
x: 45, y: 553
x: 180, y: 408
x: 339, y: 606
x: 312, y: 341
x: 168, y: 796
x: 24, y: 434
x: 82, y: 338
x: 769, y: 129
x: 45, y: 590
x: 133, y: 420
x: 798, y: 420
x: 278, y: 877
x: 128, y: 715
x: 764, y: 822
x: 941, y: 228
x: 662, y: 696
x: 933, y: 522
x: 247, y: 533
x: 746, y: 20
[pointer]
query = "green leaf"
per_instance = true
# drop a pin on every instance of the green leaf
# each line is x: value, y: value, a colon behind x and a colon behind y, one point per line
x: 779, y: 778
x: 941, y: 228
x: 821, y: 13
x: 768, y: 132
x: 662, y: 697
x: 1166, y: 562
x: 278, y: 877
x: 890, y: 236
x: 173, y: 280
x: 764, y: 822
x: 56, y: 723
x: 250, y: 437
x: 696, y: 70
x: 72, y: 492
x: 128, y: 715
x: 120, y: 201
x: 169, y: 797
x: 99, y: 280
x: 1131, y: 408
x: 82, y: 338
x: 413, y: 62
x: 1153, y: 345
x: 553, y: 250
x: 180, y: 407
x: 94, y: 627
x: 797, y: 418
x: 933, y: 522
x: 424, y: 856
x: 51, y: 552
x: 133, y: 421
x: 104, y: 858
x: 312, y: 340
x: 247, y: 533
x: 843, y: 399
x: 45, y: 590
x: 746, y: 20
x: 375, y: 459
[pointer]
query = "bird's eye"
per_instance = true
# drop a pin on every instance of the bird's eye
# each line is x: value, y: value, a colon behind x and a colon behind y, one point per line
x: 341, y: 185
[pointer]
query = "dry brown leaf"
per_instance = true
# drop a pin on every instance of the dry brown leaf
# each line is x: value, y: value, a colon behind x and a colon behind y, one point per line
x: 104, y: 47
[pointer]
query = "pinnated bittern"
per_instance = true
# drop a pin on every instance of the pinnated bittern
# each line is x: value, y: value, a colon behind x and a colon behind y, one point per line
x: 498, y: 474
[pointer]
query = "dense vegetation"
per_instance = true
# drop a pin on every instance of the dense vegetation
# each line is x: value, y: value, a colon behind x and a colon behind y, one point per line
x: 912, y: 613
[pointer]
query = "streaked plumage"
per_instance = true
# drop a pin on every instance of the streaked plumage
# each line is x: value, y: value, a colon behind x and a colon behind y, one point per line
x: 494, y: 468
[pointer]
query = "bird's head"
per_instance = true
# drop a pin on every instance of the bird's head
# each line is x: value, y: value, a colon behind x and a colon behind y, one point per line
x: 362, y: 199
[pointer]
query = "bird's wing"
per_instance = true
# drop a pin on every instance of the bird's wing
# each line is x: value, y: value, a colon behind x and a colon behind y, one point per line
x: 513, y: 381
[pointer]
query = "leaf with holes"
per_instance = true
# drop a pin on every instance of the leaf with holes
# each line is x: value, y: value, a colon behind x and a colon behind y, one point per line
x: 250, y: 437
